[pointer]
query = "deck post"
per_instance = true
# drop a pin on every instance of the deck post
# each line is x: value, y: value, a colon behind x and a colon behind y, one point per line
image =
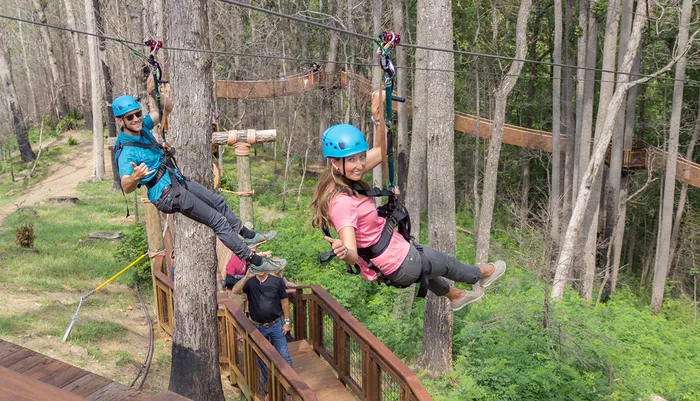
x: 242, y: 140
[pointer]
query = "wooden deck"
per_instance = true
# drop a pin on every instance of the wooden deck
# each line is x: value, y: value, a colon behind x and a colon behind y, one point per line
x: 317, y: 374
x: 28, y: 375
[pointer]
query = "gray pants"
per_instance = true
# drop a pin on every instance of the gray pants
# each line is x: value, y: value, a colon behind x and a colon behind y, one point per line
x: 203, y: 206
x: 443, y: 265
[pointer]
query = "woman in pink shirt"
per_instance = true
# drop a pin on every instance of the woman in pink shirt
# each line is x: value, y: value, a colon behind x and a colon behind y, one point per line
x: 337, y: 203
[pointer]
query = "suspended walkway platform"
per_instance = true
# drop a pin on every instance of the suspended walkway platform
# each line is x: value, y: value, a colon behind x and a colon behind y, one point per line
x: 643, y: 157
x: 26, y: 375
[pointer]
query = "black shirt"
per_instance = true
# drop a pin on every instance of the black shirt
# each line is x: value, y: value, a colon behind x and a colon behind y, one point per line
x: 264, y: 299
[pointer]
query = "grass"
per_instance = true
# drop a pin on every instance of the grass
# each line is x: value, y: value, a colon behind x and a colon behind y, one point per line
x: 64, y: 260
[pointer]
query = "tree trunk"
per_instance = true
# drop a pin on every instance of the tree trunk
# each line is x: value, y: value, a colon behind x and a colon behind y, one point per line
x: 14, y: 111
x: 379, y: 128
x: 195, y: 369
x: 96, y: 82
x: 402, y: 149
x: 607, y: 86
x: 580, y: 89
x: 435, y: 24
x: 25, y: 60
x: 104, y: 81
x: 78, y: 49
x: 554, y: 195
x: 588, y: 236
x: 525, y: 157
x: 417, y: 179
x: 567, y: 250
x: 136, y: 79
x: 569, y: 123
x: 56, y: 84
x: 616, y: 185
x: 327, y: 93
x: 684, y: 190
x: 663, y: 249
x: 491, y: 171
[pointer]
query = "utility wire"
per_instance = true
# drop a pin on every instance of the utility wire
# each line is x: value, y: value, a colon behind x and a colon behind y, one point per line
x: 437, y: 49
x: 127, y: 44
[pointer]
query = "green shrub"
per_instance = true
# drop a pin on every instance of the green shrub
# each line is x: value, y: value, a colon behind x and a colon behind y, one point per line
x: 133, y: 244
x: 72, y: 141
x: 69, y: 122
x: 49, y: 123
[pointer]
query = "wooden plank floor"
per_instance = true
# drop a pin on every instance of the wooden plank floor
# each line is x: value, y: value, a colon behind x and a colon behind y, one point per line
x: 28, y: 375
x: 317, y: 374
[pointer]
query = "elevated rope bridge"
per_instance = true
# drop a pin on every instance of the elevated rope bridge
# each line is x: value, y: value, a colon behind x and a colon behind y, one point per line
x: 641, y: 156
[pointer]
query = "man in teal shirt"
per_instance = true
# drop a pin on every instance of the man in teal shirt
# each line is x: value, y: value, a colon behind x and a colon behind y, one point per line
x: 142, y: 161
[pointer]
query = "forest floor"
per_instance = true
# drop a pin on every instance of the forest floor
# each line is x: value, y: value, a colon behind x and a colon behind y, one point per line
x: 62, y: 179
x: 111, y: 337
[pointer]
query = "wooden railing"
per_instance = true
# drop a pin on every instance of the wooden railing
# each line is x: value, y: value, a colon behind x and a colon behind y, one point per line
x: 242, y: 349
x: 241, y: 346
x: 361, y: 362
x: 365, y: 365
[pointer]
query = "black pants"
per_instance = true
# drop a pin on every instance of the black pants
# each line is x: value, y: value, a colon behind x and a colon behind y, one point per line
x: 443, y: 265
x: 204, y: 206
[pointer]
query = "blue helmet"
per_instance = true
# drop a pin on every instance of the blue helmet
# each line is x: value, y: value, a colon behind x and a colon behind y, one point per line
x: 343, y: 140
x: 124, y: 104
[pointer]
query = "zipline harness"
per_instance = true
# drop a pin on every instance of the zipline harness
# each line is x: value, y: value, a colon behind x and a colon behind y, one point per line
x: 393, y: 211
x: 169, y: 164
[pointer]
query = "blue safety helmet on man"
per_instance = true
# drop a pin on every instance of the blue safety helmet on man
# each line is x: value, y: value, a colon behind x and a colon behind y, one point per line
x: 343, y: 140
x: 124, y: 104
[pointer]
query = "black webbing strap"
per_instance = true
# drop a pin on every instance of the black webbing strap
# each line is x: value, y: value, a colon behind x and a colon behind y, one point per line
x: 326, y: 257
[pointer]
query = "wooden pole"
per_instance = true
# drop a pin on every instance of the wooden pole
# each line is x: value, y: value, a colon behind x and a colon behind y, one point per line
x: 154, y: 235
x: 242, y: 140
x: 244, y: 181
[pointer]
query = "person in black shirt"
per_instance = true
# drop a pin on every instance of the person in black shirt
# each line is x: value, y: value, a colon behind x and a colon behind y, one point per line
x: 269, y: 310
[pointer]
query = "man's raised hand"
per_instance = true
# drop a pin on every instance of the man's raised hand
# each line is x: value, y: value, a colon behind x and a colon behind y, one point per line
x: 140, y: 171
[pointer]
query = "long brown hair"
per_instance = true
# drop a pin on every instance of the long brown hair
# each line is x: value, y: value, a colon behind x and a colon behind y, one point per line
x: 329, y: 185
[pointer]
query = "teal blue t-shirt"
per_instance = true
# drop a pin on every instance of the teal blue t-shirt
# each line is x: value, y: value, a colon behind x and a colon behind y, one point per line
x: 152, y: 157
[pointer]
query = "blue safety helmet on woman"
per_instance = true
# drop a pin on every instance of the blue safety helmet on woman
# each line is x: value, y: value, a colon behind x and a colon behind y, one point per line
x: 124, y: 104
x: 343, y: 140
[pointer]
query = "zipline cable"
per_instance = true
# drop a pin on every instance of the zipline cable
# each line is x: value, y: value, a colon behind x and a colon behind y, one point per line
x: 438, y: 49
x: 687, y: 82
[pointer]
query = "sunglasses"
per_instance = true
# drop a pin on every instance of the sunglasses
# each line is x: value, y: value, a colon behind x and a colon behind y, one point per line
x: 131, y: 116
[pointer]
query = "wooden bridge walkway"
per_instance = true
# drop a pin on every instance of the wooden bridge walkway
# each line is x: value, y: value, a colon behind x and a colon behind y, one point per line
x: 26, y: 375
x: 686, y: 171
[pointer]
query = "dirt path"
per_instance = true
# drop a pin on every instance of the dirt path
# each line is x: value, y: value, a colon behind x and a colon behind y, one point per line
x: 63, y: 179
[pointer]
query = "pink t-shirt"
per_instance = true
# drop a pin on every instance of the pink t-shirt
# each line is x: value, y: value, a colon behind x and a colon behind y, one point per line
x: 361, y: 214
x: 235, y: 266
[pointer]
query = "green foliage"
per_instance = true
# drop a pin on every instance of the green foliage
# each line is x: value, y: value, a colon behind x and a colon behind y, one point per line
x: 69, y: 122
x: 133, y: 244
x: 72, y: 141
x: 49, y: 123
x: 600, y: 9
